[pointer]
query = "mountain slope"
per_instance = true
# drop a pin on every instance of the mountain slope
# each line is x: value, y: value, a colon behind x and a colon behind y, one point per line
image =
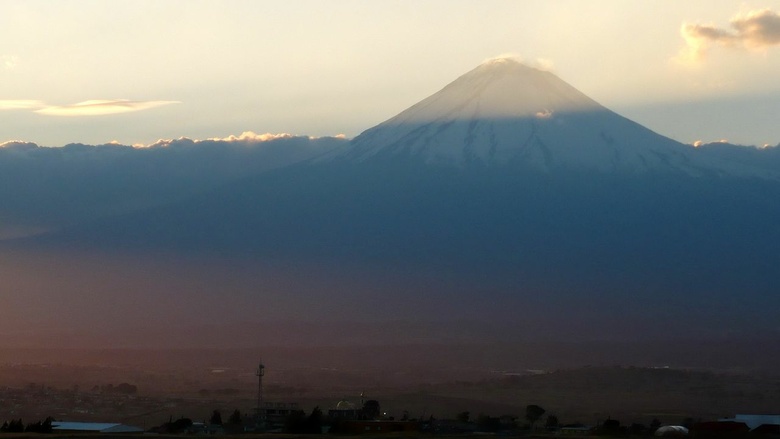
x: 571, y: 234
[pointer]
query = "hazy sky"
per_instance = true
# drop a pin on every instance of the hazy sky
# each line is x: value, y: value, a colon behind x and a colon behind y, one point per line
x: 136, y: 71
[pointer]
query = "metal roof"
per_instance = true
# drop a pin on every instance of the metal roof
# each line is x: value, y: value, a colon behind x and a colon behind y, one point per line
x: 101, y: 427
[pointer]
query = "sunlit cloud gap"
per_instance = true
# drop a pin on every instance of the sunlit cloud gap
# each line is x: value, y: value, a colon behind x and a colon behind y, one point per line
x: 754, y: 30
x: 101, y: 107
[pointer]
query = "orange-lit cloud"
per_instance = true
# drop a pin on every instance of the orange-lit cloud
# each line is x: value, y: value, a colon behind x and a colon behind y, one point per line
x: 251, y: 136
x: 245, y: 137
x: 754, y: 30
x: 21, y: 144
x: 101, y: 107
x: 546, y: 114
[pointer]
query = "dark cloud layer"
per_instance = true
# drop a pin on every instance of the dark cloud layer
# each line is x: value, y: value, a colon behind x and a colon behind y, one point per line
x: 43, y: 187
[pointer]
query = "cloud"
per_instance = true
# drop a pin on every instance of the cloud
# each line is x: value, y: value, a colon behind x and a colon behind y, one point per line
x: 17, y: 144
x: 546, y: 114
x: 101, y: 107
x: 544, y: 64
x: 8, y: 62
x: 251, y: 136
x: 508, y: 55
x: 759, y: 29
x: 247, y: 138
x: 86, y: 108
x: 20, y: 104
x: 755, y: 30
x: 699, y: 38
x: 112, y: 179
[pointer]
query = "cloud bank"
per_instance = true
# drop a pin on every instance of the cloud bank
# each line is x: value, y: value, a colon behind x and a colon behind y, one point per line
x: 755, y: 30
x: 45, y: 188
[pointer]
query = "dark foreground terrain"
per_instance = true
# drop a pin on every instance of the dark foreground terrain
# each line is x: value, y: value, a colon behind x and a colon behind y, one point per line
x: 584, y: 384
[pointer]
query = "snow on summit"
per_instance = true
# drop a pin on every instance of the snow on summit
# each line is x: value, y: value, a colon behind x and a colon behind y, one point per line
x: 504, y: 112
x: 500, y: 88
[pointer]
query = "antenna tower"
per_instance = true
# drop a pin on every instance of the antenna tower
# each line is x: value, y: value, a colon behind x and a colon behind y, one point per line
x: 259, y: 373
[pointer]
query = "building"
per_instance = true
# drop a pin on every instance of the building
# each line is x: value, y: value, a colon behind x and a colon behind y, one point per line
x: 344, y: 410
x: 377, y: 427
x: 274, y: 414
x: 755, y: 421
x: 93, y: 427
x: 577, y: 430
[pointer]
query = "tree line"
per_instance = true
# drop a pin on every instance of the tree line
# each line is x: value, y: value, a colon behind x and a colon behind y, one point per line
x: 17, y: 426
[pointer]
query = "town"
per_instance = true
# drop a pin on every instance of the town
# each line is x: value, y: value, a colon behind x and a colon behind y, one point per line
x: 123, y: 407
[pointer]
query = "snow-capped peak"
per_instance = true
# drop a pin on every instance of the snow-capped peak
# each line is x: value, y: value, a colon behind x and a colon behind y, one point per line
x: 499, y: 88
x: 506, y: 112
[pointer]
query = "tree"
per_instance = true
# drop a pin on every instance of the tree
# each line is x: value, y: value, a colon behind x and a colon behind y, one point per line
x: 637, y: 429
x: 235, y: 418
x: 295, y: 422
x: 46, y: 426
x: 314, y: 422
x: 612, y: 427
x: 177, y: 426
x: 298, y: 423
x: 488, y: 423
x: 216, y: 418
x: 552, y: 422
x: 40, y: 426
x: 462, y: 417
x: 16, y: 426
x: 371, y: 409
x: 234, y: 423
x: 533, y: 413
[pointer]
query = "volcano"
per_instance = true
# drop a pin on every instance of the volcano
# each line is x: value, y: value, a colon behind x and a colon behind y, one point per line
x: 504, y: 112
x: 506, y: 196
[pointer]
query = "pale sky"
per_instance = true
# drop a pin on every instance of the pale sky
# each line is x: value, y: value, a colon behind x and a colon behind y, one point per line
x: 136, y: 71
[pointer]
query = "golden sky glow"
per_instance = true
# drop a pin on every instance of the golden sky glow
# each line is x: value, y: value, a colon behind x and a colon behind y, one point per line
x: 341, y: 66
